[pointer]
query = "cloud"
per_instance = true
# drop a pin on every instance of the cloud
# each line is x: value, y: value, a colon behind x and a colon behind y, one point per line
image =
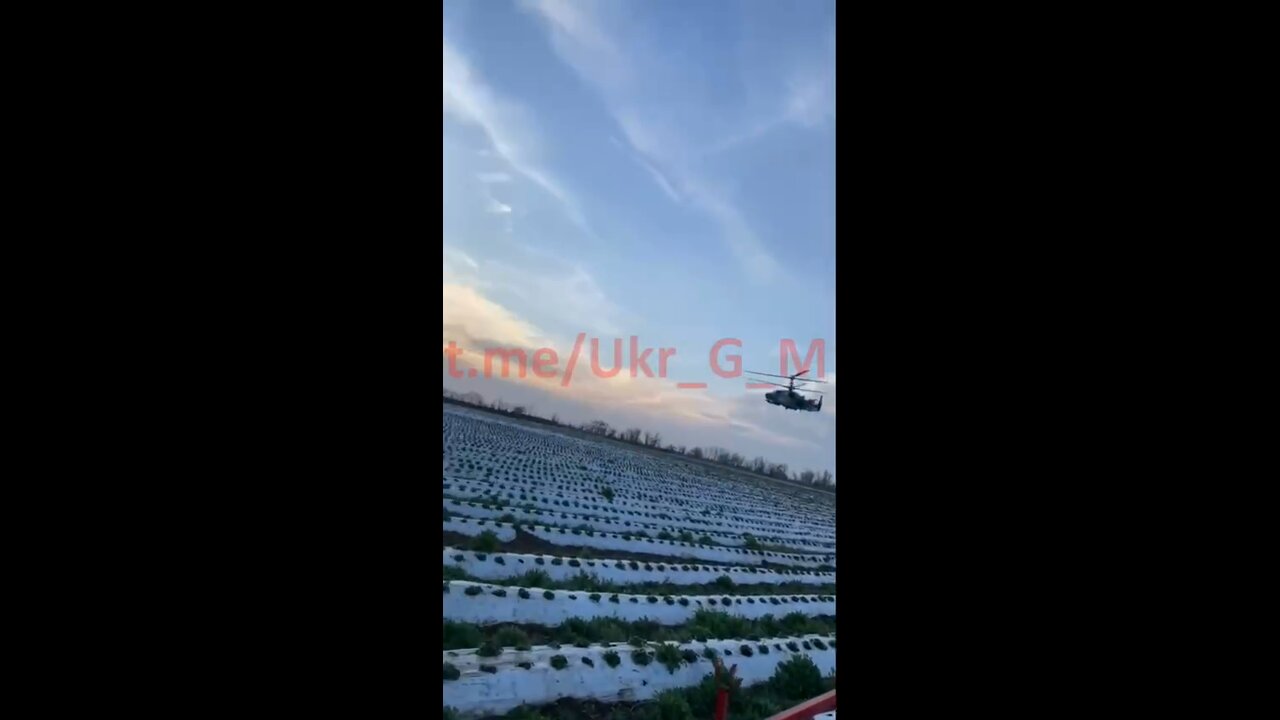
x: 809, y: 102
x: 565, y: 294
x: 475, y: 322
x: 497, y: 207
x: 658, y: 145
x: 508, y: 126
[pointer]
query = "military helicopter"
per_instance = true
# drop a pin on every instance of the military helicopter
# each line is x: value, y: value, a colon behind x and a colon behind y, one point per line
x: 789, y: 398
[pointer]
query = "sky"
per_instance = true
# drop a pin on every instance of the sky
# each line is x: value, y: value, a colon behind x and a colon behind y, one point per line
x: 663, y: 169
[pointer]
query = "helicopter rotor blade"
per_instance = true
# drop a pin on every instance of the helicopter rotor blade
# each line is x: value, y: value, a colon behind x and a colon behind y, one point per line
x: 766, y: 382
x: 753, y: 372
x: 795, y: 377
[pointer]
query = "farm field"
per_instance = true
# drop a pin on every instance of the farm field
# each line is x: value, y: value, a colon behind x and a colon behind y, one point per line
x: 586, y: 579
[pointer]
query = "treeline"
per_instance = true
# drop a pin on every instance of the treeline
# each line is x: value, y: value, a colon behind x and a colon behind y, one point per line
x: 636, y: 436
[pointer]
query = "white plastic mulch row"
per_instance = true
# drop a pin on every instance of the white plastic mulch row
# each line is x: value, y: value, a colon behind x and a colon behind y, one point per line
x: 677, y: 549
x: 701, y: 514
x: 477, y: 692
x: 505, y: 533
x: 623, y: 508
x: 497, y: 566
x: 492, y: 604
x: 826, y: 716
x: 573, y: 519
x: 484, y: 446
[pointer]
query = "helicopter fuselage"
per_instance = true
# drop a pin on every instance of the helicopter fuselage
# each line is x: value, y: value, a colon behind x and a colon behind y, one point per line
x: 790, y: 400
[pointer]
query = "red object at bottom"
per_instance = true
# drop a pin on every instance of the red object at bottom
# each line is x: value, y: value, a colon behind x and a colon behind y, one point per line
x: 826, y: 702
x: 722, y: 704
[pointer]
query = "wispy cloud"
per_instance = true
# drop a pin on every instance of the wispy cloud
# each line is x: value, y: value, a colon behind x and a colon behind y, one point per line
x: 809, y: 102
x: 507, y: 125
x: 581, y: 41
x: 565, y: 294
x: 494, y: 177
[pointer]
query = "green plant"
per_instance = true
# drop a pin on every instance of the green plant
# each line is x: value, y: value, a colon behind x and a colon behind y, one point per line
x: 797, y: 679
x: 489, y: 649
x: 512, y: 637
x: 641, y: 658
x: 473, y: 590
x: 764, y: 649
x: 549, y: 595
x: 669, y: 657
x: 636, y: 642
x: 488, y: 669
x: 611, y: 659
x: 500, y: 592
x: 524, y: 594
x: 746, y: 650
x: 793, y: 647
x: 451, y: 672
x: 559, y: 662
x: 588, y: 662
x: 673, y: 705
x: 486, y: 541
x: 689, y: 656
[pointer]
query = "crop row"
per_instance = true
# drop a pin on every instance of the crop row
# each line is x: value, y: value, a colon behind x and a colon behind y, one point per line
x: 677, y: 548
x: 578, y: 632
x: 499, y: 565
x: 497, y: 451
x: 589, y: 524
x: 724, y: 585
x: 698, y: 513
x: 466, y: 527
x: 476, y: 685
x: 624, y: 543
x: 611, y: 518
x: 489, y: 604
x: 620, y: 507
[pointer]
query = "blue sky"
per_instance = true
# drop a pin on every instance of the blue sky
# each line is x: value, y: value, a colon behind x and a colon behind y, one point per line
x: 658, y: 168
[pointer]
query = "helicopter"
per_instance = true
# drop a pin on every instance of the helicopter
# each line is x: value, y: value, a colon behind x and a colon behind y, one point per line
x: 789, y: 398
